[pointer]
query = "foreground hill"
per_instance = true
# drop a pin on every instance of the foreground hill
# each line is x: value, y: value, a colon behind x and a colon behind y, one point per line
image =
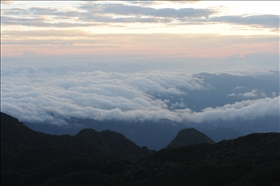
x: 219, y: 134
x: 108, y: 158
x: 249, y: 160
x: 189, y: 136
x: 153, y: 134
x: 24, y: 148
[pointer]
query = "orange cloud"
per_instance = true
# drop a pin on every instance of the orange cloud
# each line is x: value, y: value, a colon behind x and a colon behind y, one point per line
x: 7, y: 2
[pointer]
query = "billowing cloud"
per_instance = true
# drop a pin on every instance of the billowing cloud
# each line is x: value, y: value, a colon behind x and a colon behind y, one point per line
x: 245, y: 110
x: 252, y: 93
x: 96, y: 95
x: 40, y: 94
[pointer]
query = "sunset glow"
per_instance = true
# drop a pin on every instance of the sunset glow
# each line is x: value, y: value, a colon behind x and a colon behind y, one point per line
x: 189, y: 29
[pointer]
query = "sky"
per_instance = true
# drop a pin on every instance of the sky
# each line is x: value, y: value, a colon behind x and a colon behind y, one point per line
x: 161, y: 28
x: 118, y: 59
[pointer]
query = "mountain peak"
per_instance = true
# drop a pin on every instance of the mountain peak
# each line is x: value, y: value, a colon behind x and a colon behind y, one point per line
x: 189, y: 136
x: 87, y: 132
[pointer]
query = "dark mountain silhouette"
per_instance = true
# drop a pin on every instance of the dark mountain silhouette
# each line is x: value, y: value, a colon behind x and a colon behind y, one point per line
x: 108, y: 158
x: 189, y: 136
x: 22, y: 147
x: 153, y: 134
x: 219, y: 134
x: 249, y: 160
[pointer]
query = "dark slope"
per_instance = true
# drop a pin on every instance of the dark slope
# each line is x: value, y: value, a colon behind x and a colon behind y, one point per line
x: 219, y: 134
x: 254, y: 145
x: 249, y: 160
x: 153, y: 134
x: 24, y: 148
x: 158, y: 134
x: 118, y: 143
x: 189, y: 136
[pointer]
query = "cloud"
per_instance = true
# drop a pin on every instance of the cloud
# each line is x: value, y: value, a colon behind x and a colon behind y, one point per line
x: 55, y: 91
x: 7, y: 2
x: 177, y: 105
x: 122, y: 9
x: 89, y: 14
x: 245, y: 110
x: 73, y: 41
x: 263, y: 94
x: 41, y: 22
x: 273, y: 94
x: 267, y: 21
x: 41, y: 96
x: 93, y: 13
x: 239, y: 87
x: 252, y: 93
x: 43, y: 11
x: 47, y: 33
x: 15, y: 11
x: 22, y: 21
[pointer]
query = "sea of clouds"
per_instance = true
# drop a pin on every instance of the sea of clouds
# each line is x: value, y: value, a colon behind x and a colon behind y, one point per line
x: 53, y: 92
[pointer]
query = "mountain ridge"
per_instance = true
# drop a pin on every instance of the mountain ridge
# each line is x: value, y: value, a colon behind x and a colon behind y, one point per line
x: 154, y: 135
x: 248, y: 160
x: 18, y: 141
x: 189, y: 136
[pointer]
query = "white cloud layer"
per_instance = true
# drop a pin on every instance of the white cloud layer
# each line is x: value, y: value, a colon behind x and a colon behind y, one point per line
x: 253, y: 93
x: 247, y: 109
x: 39, y: 94
x: 99, y: 95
